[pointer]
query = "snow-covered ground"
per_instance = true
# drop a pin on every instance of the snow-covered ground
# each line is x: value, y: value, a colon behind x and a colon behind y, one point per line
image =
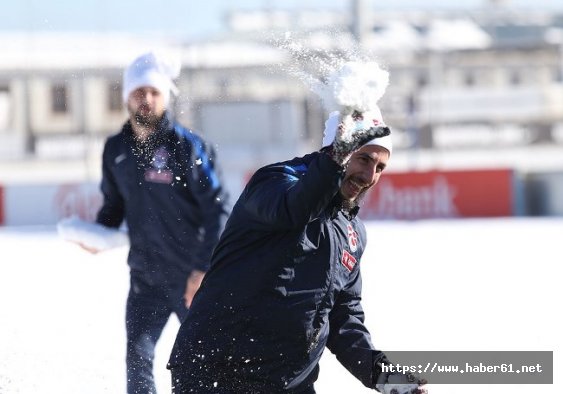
x: 428, y: 285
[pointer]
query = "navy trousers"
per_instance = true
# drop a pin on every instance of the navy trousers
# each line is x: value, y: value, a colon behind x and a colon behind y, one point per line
x: 148, y: 308
x: 186, y: 381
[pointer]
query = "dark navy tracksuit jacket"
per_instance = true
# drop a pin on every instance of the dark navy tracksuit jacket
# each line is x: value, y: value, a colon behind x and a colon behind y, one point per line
x: 168, y: 192
x: 284, y: 283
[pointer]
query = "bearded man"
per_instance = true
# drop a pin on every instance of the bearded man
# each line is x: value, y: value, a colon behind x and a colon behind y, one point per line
x: 161, y: 181
x: 285, y: 280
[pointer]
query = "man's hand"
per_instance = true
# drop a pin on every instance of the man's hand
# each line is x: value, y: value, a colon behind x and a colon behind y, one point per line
x: 192, y: 285
x: 354, y: 130
x: 397, y: 382
x: 90, y: 249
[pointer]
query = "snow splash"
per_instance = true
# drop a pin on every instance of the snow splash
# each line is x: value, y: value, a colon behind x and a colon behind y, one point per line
x: 343, y: 80
x: 356, y: 85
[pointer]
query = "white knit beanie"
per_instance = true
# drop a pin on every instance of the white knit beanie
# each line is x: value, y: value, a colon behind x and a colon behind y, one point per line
x: 154, y: 70
x: 372, y: 117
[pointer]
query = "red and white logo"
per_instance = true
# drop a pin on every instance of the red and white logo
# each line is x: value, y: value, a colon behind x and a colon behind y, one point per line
x: 348, y: 261
x: 352, y: 238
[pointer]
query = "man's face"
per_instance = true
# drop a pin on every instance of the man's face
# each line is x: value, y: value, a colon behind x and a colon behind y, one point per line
x: 146, y: 106
x: 363, y: 171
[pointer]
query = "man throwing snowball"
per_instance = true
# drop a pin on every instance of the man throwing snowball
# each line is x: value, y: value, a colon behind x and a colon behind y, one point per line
x: 285, y: 276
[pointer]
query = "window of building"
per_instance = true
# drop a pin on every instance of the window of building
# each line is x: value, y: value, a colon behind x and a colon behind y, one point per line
x: 558, y: 75
x: 469, y: 79
x: 515, y: 78
x: 59, y: 98
x: 114, y: 99
x: 421, y: 80
x: 5, y: 108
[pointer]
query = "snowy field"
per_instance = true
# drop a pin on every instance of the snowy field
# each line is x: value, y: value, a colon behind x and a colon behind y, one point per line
x: 429, y: 285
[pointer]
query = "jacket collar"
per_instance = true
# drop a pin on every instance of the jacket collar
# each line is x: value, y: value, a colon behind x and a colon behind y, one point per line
x: 336, y: 206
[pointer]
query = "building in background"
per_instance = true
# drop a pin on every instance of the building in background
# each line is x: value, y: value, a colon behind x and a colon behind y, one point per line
x: 472, y: 89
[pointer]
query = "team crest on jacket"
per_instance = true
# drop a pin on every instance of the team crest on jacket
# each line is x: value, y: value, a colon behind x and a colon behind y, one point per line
x: 352, y: 238
x: 159, y: 173
x: 160, y: 159
x: 348, y: 261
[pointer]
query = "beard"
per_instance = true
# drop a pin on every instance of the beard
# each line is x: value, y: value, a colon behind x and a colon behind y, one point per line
x: 143, y: 118
x: 348, y: 205
x: 351, y: 201
x: 147, y: 121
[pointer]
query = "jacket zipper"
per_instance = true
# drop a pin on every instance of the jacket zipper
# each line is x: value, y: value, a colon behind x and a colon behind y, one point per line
x: 316, y: 334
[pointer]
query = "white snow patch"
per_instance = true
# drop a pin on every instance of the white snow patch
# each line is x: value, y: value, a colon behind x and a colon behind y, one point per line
x: 466, y: 285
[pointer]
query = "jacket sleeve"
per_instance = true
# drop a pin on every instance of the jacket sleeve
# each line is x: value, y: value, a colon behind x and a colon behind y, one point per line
x: 349, y: 338
x: 211, y: 197
x: 113, y: 210
x: 282, y: 197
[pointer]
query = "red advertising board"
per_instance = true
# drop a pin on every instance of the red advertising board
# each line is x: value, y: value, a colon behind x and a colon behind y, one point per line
x: 441, y: 194
x: 80, y: 200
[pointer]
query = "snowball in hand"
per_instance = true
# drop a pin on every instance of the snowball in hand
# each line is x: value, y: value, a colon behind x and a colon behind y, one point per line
x: 357, y: 85
x: 93, y: 235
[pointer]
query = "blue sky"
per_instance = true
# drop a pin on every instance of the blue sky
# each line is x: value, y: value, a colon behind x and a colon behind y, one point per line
x: 187, y: 18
